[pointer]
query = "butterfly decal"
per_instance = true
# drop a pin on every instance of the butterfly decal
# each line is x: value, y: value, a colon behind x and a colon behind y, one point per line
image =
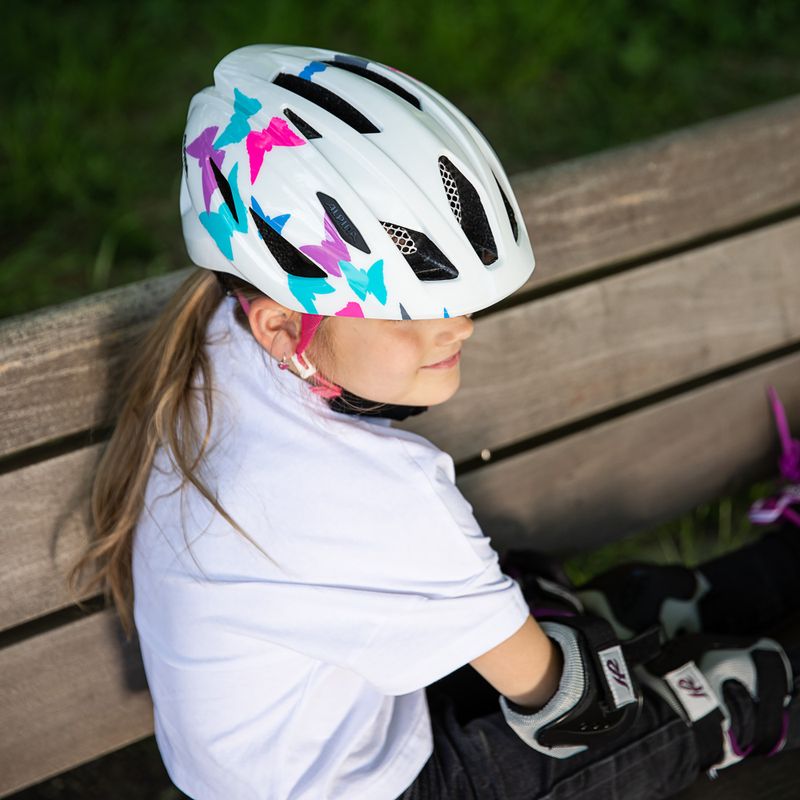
x: 276, y: 134
x: 307, y: 289
x: 275, y: 222
x: 310, y: 68
x: 243, y: 108
x: 352, y: 309
x: 366, y: 281
x: 222, y: 224
x: 330, y: 251
x: 202, y: 148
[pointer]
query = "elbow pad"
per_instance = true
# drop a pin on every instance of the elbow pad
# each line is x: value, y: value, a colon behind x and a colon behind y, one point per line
x: 598, y: 697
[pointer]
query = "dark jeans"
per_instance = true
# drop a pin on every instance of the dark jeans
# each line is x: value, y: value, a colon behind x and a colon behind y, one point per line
x: 481, y: 758
x: 476, y: 755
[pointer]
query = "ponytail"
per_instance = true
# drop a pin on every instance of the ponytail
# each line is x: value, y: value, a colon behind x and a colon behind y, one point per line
x: 155, y: 407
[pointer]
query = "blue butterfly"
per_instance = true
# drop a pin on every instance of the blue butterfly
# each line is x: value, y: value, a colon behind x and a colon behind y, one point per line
x: 366, y: 281
x: 306, y: 290
x: 275, y: 222
x: 310, y: 68
x: 221, y: 224
x: 243, y: 108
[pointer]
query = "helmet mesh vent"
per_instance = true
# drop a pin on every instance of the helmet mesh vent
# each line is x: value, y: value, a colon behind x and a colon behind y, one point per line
x: 472, y: 217
x: 451, y: 190
x: 423, y: 256
x: 405, y: 244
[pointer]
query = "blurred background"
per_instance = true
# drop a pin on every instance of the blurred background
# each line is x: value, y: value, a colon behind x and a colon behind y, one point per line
x: 94, y: 98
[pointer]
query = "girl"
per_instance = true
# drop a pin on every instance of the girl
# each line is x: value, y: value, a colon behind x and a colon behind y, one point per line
x: 297, y: 569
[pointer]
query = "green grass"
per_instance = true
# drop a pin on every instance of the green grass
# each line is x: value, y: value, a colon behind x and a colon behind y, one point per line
x: 95, y: 96
x: 699, y: 535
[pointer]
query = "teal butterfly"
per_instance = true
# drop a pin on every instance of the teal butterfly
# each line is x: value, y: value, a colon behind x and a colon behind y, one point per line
x: 307, y: 289
x: 221, y: 224
x: 243, y: 108
x: 366, y: 281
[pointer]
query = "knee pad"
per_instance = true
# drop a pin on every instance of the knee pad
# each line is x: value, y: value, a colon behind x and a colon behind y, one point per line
x: 706, y: 678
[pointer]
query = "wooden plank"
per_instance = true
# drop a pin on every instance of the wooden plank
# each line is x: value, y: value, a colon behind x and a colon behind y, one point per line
x: 540, y: 365
x: 46, y: 525
x: 68, y: 696
x: 59, y: 366
x: 638, y: 470
x: 574, y: 493
x: 661, y: 193
x: 558, y: 359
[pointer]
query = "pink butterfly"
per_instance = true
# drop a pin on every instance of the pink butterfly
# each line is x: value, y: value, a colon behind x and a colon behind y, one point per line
x: 330, y: 251
x: 352, y: 309
x: 276, y: 134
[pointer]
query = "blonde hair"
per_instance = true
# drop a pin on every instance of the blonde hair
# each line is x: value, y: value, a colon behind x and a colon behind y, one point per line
x: 154, y: 408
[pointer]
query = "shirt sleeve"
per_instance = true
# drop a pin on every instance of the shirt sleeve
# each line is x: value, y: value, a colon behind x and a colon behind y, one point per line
x: 381, y: 569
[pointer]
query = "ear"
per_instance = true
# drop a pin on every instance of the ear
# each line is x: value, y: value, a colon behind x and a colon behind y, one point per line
x: 275, y: 327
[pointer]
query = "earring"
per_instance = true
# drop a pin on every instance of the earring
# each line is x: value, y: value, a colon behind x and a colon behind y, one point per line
x: 283, y: 364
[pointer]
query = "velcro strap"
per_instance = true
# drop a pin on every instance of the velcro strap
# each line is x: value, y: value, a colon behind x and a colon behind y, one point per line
x: 772, y: 689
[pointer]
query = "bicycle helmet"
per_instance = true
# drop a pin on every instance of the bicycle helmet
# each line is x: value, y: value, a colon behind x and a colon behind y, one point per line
x: 340, y: 186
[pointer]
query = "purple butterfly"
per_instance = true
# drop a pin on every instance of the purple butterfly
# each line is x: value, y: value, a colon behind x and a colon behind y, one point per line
x: 276, y: 134
x: 330, y: 251
x: 202, y: 148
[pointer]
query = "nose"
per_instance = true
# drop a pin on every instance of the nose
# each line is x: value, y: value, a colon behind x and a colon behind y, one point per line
x: 455, y: 329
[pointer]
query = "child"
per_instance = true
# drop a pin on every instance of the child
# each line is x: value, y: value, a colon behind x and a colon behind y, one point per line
x: 302, y: 569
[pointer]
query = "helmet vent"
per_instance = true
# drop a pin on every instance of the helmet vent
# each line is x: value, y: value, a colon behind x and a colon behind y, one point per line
x: 451, y: 190
x: 326, y: 99
x: 405, y: 244
x: 301, y: 124
x: 510, y: 211
x: 423, y: 256
x: 472, y: 216
x: 290, y: 259
x: 225, y: 189
x: 375, y: 77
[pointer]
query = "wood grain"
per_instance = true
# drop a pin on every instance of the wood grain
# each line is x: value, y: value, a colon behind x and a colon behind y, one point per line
x: 661, y: 193
x: 68, y: 696
x: 638, y: 470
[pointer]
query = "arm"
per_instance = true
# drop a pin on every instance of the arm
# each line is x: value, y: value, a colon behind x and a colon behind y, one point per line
x: 525, y: 668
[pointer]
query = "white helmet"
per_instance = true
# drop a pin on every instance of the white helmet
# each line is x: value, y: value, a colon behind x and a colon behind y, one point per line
x: 340, y: 186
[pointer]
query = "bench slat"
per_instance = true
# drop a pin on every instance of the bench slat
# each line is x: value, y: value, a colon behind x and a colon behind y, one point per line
x: 68, y: 696
x: 657, y: 194
x: 46, y: 524
x: 573, y: 354
x: 633, y: 472
x: 578, y: 492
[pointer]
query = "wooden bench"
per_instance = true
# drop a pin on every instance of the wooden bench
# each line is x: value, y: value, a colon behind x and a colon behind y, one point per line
x: 622, y: 386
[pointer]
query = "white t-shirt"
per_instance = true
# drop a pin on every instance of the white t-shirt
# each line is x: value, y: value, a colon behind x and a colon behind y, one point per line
x: 299, y: 671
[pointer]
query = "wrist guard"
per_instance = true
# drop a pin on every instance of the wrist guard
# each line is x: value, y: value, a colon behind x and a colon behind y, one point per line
x: 598, y: 698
